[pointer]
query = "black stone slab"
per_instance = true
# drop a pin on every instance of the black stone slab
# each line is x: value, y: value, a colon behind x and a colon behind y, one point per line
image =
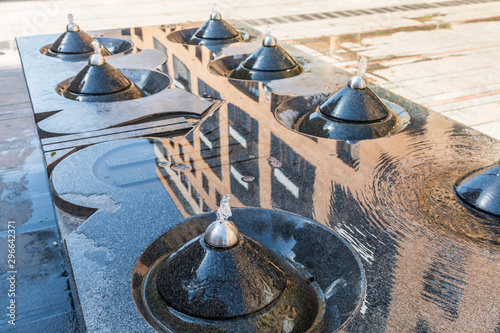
x: 430, y: 263
x: 155, y: 131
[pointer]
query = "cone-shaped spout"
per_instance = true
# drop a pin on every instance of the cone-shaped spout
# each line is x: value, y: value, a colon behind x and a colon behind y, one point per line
x: 216, y: 28
x: 222, y: 233
x: 74, y: 41
x: 269, y: 62
x: 98, y: 77
x: 482, y: 190
x: 269, y: 57
x: 355, y: 102
x: 101, y: 82
x: 354, y: 112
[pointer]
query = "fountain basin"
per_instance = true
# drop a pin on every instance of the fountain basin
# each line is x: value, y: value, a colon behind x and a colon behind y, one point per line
x: 290, y: 237
x: 187, y: 37
x: 226, y: 66
x: 146, y: 82
x: 292, y: 113
x: 110, y: 45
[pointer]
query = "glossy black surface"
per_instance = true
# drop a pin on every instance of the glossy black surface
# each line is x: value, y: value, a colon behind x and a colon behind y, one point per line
x: 216, y: 29
x: 304, y: 115
x: 354, y: 105
x: 481, y: 190
x: 88, y: 85
x: 301, y: 307
x: 98, y: 80
x: 431, y: 263
x: 265, y: 64
x: 73, y: 43
x: 204, y: 282
x: 109, y: 46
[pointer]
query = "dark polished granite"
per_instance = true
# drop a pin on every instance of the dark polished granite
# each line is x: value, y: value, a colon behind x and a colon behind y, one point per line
x: 430, y: 263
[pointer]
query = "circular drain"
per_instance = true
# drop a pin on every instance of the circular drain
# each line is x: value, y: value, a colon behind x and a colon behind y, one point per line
x: 315, y: 254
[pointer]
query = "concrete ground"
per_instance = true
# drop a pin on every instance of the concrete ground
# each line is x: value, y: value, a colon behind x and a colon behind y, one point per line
x: 442, y: 54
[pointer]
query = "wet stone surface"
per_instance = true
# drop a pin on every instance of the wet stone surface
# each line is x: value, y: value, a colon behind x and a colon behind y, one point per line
x: 301, y: 306
x: 429, y: 262
x: 42, y: 293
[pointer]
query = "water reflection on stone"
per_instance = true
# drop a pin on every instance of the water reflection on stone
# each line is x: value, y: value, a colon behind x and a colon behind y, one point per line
x: 430, y: 263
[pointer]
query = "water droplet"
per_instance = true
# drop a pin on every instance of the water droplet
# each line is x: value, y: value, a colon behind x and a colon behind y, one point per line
x: 163, y: 164
x: 274, y: 162
x: 251, y: 156
x: 248, y: 179
x: 180, y: 167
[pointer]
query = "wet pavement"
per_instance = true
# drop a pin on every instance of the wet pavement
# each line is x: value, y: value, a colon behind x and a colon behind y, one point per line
x: 42, y: 293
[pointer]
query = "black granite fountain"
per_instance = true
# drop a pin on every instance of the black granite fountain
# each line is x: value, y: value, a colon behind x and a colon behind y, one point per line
x: 353, y: 113
x: 100, y: 82
x: 229, y: 281
x: 333, y: 231
x: 76, y: 45
x: 214, y: 32
x: 269, y: 62
x: 480, y: 190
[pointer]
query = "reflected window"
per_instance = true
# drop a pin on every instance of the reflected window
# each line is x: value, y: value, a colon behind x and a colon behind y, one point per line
x: 182, y: 76
x: 204, y: 181
x: 348, y: 153
x: 138, y: 33
x: 249, y: 88
x: 160, y: 47
x: 218, y: 198
x: 210, y: 143
x: 288, y: 188
x: 198, y: 54
x: 243, y: 133
x: 205, y: 91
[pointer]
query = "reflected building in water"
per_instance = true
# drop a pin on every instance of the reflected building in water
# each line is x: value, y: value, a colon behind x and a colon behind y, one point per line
x: 416, y: 279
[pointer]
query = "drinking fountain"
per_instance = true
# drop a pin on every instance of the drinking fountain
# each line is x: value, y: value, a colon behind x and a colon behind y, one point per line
x: 269, y: 62
x: 227, y: 280
x: 352, y: 113
x: 480, y: 190
x: 98, y: 81
x: 76, y: 45
x: 214, y: 32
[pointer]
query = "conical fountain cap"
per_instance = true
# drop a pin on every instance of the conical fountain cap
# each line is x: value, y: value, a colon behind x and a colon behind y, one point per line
x: 73, y: 41
x: 355, y: 102
x: 98, y: 77
x: 216, y: 28
x: 222, y: 233
x: 482, y: 190
x: 269, y: 57
x: 205, y: 282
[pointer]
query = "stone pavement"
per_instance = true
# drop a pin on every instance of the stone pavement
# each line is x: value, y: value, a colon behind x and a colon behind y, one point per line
x: 42, y: 294
x: 439, y: 53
